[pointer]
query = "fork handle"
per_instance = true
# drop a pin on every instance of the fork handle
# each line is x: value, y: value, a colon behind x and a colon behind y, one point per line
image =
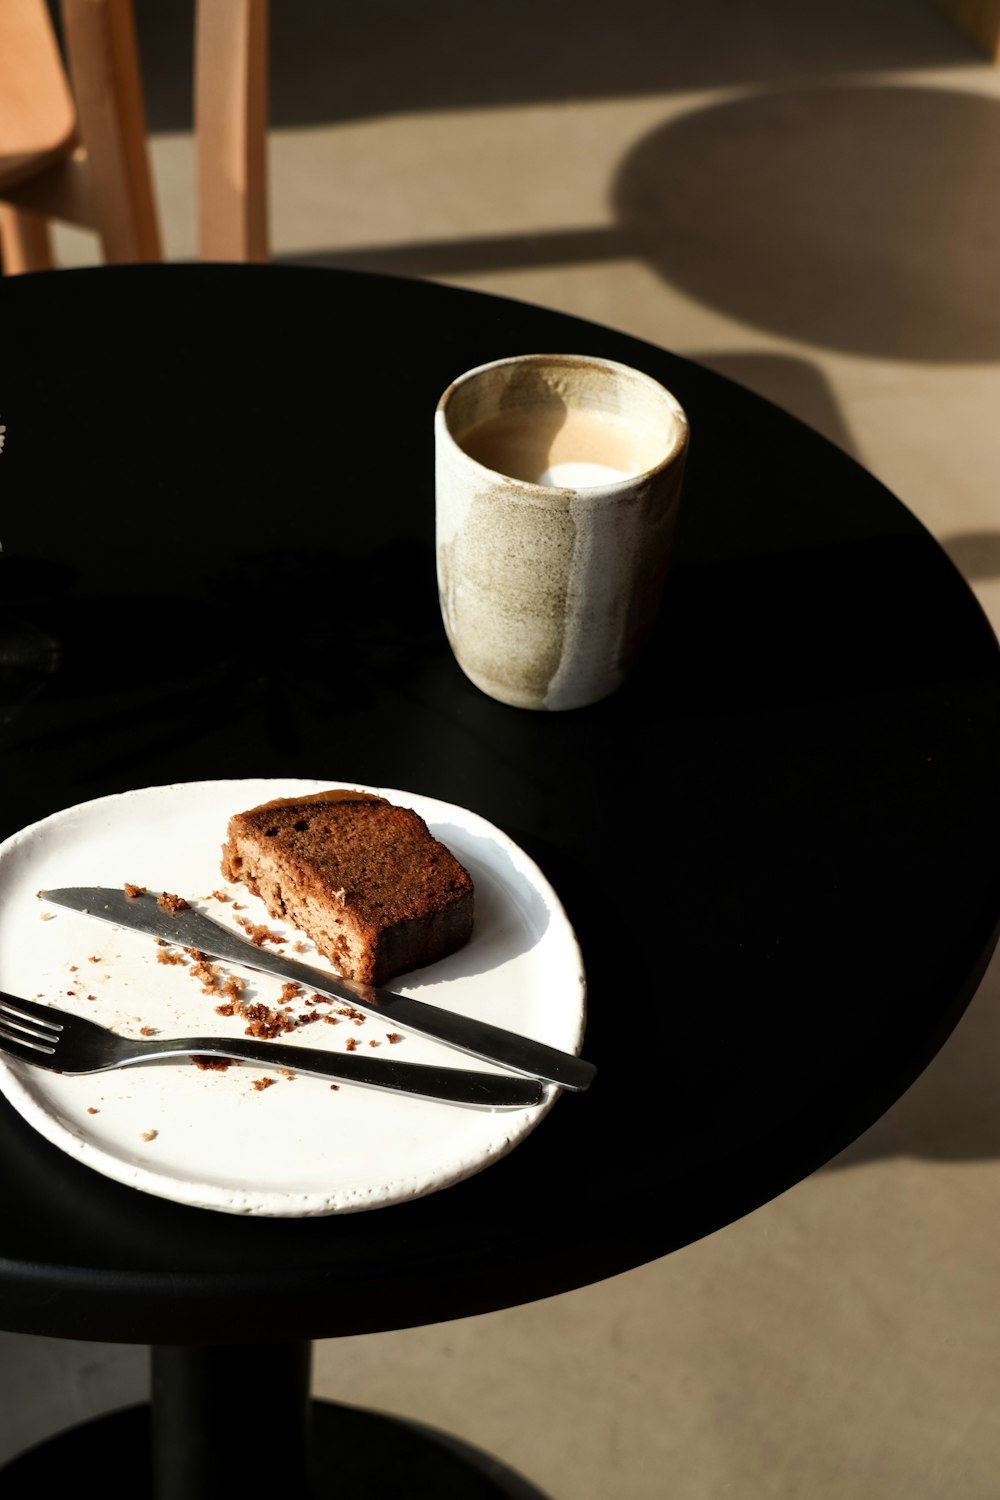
x: 454, y: 1085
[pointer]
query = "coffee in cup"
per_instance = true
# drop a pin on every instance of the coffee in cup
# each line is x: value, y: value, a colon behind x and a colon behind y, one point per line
x: 558, y: 481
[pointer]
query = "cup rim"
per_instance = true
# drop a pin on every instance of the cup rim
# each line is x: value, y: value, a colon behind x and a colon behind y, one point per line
x: 682, y: 425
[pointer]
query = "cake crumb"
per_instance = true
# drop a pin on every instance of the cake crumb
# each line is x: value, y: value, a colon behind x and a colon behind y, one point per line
x: 262, y: 1083
x: 46, y: 916
x: 147, y: 1030
x: 351, y: 1043
x: 132, y: 891
x: 265, y: 1022
x: 393, y: 1037
x: 259, y: 934
x: 208, y: 976
x: 91, y: 1110
x: 212, y: 1064
x: 335, y: 1086
x: 150, y: 1135
x: 221, y: 896
x: 169, y: 902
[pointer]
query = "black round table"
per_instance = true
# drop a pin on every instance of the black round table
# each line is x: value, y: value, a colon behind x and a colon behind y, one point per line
x: 775, y: 842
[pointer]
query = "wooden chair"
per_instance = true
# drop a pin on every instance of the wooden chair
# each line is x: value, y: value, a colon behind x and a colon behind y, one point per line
x: 231, y: 49
x: 980, y: 20
x: 73, y: 137
x: 73, y: 143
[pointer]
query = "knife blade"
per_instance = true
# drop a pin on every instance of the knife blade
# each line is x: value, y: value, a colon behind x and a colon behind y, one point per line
x: 191, y: 928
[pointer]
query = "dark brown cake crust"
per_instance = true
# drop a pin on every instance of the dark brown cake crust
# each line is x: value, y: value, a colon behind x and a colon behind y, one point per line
x: 364, y: 879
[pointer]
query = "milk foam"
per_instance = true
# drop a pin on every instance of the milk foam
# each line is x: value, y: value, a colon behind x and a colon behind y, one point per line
x: 574, y: 475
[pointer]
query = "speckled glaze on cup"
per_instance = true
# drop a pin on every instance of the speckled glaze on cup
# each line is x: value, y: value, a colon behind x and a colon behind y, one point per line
x: 548, y: 593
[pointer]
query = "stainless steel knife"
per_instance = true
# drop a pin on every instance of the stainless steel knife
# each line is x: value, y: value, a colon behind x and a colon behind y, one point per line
x: 190, y: 928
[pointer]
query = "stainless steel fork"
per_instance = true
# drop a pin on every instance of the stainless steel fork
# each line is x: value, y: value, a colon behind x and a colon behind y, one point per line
x: 51, y: 1038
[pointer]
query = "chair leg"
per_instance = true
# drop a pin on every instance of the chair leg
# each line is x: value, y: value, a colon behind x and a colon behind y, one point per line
x: 231, y: 47
x: 103, y: 60
x: 25, y: 243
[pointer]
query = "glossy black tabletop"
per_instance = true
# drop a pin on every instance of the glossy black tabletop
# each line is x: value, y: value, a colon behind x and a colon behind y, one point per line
x: 777, y: 843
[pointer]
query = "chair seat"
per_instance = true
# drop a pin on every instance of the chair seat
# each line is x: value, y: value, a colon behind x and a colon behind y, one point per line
x: 37, y: 114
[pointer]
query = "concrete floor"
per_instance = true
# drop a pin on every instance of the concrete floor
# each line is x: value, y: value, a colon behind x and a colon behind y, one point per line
x: 805, y: 198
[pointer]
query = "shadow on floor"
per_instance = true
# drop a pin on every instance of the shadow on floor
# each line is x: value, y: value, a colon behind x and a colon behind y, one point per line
x: 796, y: 385
x: 331, y: 62
x: 976, y: 554
x: 857, y: 218
x: 952, y: 1112
x: 49, y: 1384
x: 798, y: 212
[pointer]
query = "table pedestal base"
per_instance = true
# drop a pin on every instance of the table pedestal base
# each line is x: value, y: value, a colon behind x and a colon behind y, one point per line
x: 235, y: 1421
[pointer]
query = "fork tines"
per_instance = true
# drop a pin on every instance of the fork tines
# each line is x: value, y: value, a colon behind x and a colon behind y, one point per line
x: 29, y: 1024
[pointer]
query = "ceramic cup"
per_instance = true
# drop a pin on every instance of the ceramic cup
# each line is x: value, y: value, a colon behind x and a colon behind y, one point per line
x: 558, y: 480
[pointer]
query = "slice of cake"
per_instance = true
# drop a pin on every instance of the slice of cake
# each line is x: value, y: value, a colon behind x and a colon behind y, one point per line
x: 366, y: 880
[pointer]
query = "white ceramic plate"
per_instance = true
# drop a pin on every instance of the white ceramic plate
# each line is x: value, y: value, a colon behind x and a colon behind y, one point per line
x: 211, y: 1138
